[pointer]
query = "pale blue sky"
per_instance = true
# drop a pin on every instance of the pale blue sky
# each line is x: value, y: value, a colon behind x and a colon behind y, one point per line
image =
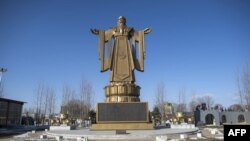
x: 195, y: 44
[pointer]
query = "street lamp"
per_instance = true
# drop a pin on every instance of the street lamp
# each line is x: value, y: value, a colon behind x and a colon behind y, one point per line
x: 2, y: 70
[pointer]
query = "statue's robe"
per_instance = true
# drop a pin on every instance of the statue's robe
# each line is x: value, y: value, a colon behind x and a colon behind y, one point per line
x: 121, y: 58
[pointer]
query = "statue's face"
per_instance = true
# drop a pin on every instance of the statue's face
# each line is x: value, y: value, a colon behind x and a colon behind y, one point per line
x: 121, y: 23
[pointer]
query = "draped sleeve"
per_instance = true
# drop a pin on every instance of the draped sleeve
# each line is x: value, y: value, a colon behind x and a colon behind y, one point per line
x: 138, y: 42
x: 105, y: 37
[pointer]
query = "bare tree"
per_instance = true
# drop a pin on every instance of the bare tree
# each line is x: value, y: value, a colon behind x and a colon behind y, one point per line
x: 200, y: 100
x: 68, y: 100
x: 193, y: 103
x: 28, y: 111
x: 235, y: 107
x: 243, y: 84
x: 67, y: 94
x: 240, y: 93
x: 72, y: 108
x: 246, y: 83
x: 209, y: 101
x: 86, y: 97
x: 160, y: 98
x: 182, y: 107
x: 39, y: 94
x: 51, y: 101
x: 73, y: 105
x: 44, y: 102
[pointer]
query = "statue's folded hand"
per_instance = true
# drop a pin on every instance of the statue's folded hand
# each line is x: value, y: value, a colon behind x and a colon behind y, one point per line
x: 147, y: 30
x: 95, y: 31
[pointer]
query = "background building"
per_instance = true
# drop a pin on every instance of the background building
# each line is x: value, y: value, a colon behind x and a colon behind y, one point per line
x: 217, y: 117
x: 169, y: 109
x: 10, y: 112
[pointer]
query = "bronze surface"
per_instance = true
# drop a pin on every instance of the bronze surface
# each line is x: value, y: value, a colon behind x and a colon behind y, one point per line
x: 122, y: 93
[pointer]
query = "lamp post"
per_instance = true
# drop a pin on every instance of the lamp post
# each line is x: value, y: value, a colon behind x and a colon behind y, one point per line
x: 2, y: 70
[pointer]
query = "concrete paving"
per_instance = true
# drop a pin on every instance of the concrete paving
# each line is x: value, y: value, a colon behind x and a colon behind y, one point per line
x: 111, y: 135
x: 131, y: 135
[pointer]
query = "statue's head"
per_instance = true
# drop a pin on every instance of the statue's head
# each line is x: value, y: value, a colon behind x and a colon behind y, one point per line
x: 121, y: 20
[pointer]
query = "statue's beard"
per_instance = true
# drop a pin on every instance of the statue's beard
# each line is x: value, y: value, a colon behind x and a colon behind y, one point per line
x: 121, y: 25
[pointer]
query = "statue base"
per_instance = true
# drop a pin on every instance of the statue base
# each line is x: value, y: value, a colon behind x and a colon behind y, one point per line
x: 122, y: 92
x: 127, y: 115
x: 122, y: 126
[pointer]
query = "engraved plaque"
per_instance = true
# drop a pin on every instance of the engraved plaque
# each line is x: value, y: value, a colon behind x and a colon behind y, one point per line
x: 122, y: 112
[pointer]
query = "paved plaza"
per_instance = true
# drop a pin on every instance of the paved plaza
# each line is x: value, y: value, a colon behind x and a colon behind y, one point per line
x: 131, y: 135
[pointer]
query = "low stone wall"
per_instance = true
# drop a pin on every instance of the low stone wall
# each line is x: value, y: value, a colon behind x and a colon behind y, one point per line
x: 229, y: 116
x: 62, y: 127
x: 232, y: 117
x: 182, y: 126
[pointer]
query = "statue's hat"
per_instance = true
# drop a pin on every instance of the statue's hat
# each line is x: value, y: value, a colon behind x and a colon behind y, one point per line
x: 122, y: 18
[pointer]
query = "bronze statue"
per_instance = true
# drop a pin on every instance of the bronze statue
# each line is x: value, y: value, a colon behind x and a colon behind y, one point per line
x: 122, y: 50
x: 121, y: 58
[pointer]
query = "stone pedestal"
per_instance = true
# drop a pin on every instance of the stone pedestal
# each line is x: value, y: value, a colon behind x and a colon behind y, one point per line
x: 122, y: 109
x: 125, y: 126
